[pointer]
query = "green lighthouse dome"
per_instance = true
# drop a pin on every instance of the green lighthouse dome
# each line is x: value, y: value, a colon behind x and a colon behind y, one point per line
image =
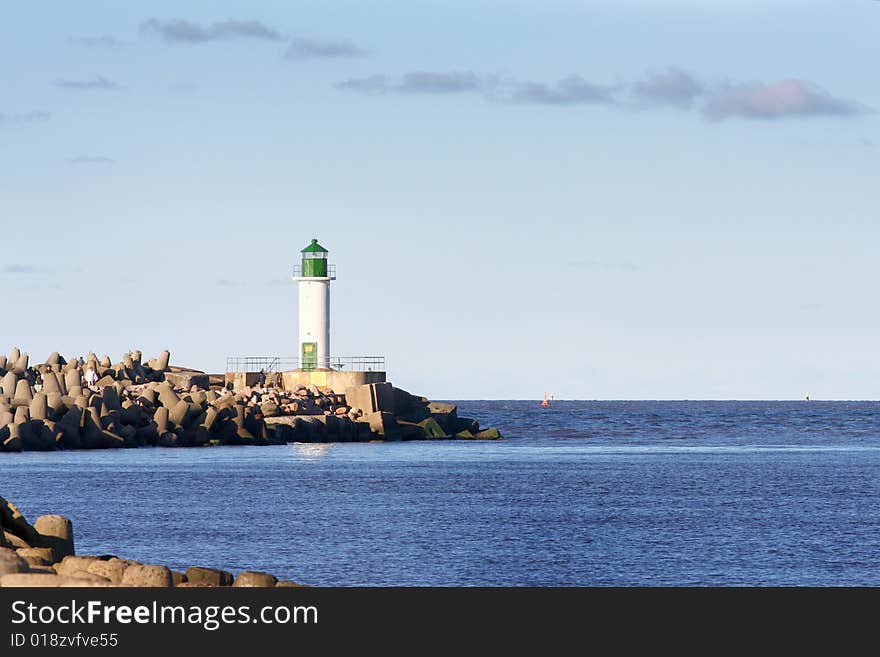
x: 314, y: 260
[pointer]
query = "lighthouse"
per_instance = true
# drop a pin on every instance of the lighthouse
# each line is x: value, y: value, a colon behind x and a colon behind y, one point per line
x: 314, y: 275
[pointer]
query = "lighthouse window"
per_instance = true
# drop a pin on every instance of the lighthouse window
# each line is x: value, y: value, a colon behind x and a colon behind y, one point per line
x: 320, y: 256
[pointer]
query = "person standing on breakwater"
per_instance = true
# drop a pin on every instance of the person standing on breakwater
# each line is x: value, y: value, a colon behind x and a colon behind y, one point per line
x: 91, y: 378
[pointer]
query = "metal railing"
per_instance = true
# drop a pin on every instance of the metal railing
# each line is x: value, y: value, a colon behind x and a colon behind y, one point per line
x: 331, y: 271
x: 285, y: 363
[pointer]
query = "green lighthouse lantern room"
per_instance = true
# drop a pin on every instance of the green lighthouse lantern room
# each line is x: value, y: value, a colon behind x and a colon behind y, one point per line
x: 314, y: 260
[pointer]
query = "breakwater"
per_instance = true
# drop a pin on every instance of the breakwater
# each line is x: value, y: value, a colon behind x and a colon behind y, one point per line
x: 43, y: 555
x: 92, y: 403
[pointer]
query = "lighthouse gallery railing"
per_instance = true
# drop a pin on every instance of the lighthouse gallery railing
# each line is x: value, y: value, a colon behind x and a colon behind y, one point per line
x: 285, y: 363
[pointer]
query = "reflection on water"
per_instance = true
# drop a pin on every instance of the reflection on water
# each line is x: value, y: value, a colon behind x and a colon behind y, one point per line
x: 312, y: 451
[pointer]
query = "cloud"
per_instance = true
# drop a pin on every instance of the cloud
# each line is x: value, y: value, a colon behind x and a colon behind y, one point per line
x: 670, y: 87
x: 573, y: 90
x: 225, y: 282
x: 780, y: 100
x: 90, y: 159
x: 104, y: 41
x: 455, y: 82
x: 419, y: 82
x: 21, y: 269
x: 99, y: 83
x: 177, y: 30
x: 26, y: 117
x: 302, y: 49
x: 374, y: 84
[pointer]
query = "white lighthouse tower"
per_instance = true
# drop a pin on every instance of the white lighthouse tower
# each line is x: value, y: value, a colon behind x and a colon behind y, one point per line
x: 314, y: 276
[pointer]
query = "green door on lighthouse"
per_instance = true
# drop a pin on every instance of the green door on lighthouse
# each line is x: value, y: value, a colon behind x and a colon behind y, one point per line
x: 309, y: 355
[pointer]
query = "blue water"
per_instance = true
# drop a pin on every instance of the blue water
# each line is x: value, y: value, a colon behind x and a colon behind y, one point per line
x: 584, y: 493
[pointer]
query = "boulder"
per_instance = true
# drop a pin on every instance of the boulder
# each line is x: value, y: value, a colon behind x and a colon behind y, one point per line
x: 39, y: 407
x: 112, y: 569
x: 23, y: 391
x: 187, y: 380
x: 371, y: 397
x: 432, y: 428
x: 488, y: 434
x: 147, y: 576
x: 71, y: 564
x: 382, y: 423
x: 199, y: 575
x: 11, y: 563
x: 8, y: 384
x: 31, y: 580
x: 15, y: 523
x: 446, y: 415
x: 252, y: 579
x: 44, y: 554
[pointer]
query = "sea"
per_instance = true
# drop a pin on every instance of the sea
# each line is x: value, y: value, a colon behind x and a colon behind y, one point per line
x: 583, y: 493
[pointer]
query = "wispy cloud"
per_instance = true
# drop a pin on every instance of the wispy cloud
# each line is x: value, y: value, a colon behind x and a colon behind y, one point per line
x: 105, y: 41
x: 785, y: 99
x: 177, y: 30
x: 573, y: 90
x: 90, y: 159
x: 780, y: 100
x: 418, y: 82
x: 302, y: 49
x: 99, y: 83
x: 670, y: 87
x: 24, y: 117
x: 24, y: 270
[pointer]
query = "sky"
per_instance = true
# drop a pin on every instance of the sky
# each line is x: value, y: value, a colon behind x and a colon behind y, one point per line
x: 598, y: 200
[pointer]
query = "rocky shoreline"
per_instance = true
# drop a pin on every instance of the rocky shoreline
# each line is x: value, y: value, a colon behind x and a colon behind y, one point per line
x: 91, y: 403
x: 43, y: 555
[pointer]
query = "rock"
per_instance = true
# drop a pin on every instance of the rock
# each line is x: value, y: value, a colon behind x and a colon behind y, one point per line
x: 8, y: 384
x: 11, y: 563
x: 79, y: 583
x: 270, y: 409
x: 71, y: 564
x: 55, y: 532
x: 196, y: 585
x: 488, y: 434
x: 14, y: 541
x: 445, y: 414
x: 147, y: 576
x: 411, y: 430
x: 371, y: 397
x: 464, y: 435
x: 46, y: 556
x: 178, y: 578
x: 382, y: 423
x: 467, y: 424
x: 198, y: 575
x: 432, y: 428
x: 31, y: 580
x: 15, y: 523
x: 254, y: 579
x: 21, y: 364
x: 23, y: 391
x: 39, y: 407
x: 186, y: 380
x: 85, y: 576
x: 286, y: 583
x: 111, y: 569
